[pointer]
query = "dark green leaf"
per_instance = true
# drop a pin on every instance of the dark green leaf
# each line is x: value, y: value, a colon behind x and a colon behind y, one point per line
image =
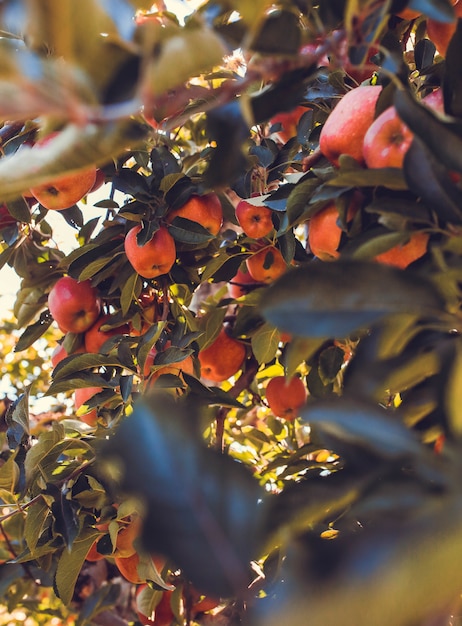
x: 365, y: 426
x: 19, y: 209
x: 33, y: 332
x: 78, y: 362
x: 70, y: 563
x: 208, y: 497
x: 429, y: 180
x: 441, y: 138
x: 187, y: 231
x: 336, y: 299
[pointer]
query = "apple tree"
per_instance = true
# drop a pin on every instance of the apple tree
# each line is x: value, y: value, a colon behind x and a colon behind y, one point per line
x: 251, y: 357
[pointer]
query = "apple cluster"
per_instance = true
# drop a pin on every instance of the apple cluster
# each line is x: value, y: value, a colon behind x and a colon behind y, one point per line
x: 376, y: 142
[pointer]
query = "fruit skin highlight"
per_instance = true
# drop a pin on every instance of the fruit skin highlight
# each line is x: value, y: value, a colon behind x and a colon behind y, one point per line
x: 346, y: 126
x: 156, y: 257
x: 74, y: 305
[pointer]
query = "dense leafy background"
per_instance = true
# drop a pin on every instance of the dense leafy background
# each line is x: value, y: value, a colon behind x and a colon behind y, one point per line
x: 351, y: 513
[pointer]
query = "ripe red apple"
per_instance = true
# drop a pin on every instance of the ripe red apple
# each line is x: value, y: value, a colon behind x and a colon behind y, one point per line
x: 81, y: 396
x: 155, y: 257
x: 388, y: 138
x: 223, y: 358
x: 60, y: 353
x: 205, y: 210
x: 241, y: 283
x: 99, y: 181
x: 64, y: 191
x: 441, y: 34
x: 74, y: 305
x: 254, y: 220
x: 324, y: 232
x: 403, y: 255
x: 266, y: 264
x: 285, y: 396
x: 95, y: 338
x: 289, y: 122
x: 344, y: 130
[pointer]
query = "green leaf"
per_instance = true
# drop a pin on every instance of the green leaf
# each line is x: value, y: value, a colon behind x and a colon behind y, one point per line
x: 36, y: 519
x: 21, y: 411
x: 73, y: 149
x: 365, y: 426
x: 265, y: 343
x: 78, y: 362
x: 438, y: 10
x: 428, y: 179
x: 130, y: 290
x: 335, y: 299
x: 9, y: 474
x: 299, y: 349
x: 209, y: 496
x: 93, y: 268
x: 33, y: 332
x: 39, y: 451
x: 453, y: 392
x: 78, y: 382
x: 29, y: 301
x: 443, y: 141
x: 19, y: 209
x: 389, y: 177
x: 181, y: 55
x: 187, y: 231
x: 70, y: 563
x: 364, y: 577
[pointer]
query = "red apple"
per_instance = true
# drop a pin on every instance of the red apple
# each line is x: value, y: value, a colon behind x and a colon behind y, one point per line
x: 80, y: 398
x: 64, y: 191
x: 388, y: 138
x: 441, y: 33
x: 289, y: 122
x: 205, y: 210
x: 95, y: 338
x: 74, y: 305
x: 346, y: 126
x: 242, y: 283
x: 155, y: 257
x: 324, y: 232
x: 254, y: 220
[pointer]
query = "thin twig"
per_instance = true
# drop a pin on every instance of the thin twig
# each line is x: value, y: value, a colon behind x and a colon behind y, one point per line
x: 242, y: 383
